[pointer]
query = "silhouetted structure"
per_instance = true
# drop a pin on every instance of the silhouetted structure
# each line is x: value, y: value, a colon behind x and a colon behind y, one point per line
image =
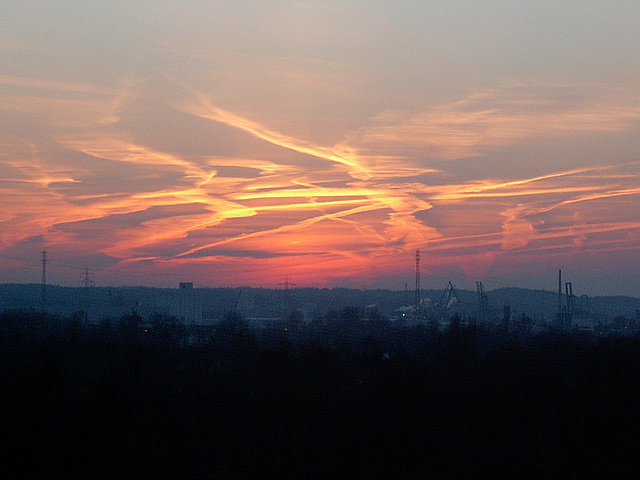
x: 483, y: 303
x: 449, y: 297
x: 559, y: 324
x: 416, y: 301
x: 286, y: 284
x: 87, y: 278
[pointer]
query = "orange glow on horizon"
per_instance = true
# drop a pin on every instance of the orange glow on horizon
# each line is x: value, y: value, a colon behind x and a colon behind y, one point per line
x: 253, y: 208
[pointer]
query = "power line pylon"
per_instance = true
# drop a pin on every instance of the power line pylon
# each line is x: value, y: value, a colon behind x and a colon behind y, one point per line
x: 417, y: 293
x: 287, y: 297
x: 87, y: 278
x: 286, y: 283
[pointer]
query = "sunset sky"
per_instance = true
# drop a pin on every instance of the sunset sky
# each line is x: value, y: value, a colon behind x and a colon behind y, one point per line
x: 234, y: 143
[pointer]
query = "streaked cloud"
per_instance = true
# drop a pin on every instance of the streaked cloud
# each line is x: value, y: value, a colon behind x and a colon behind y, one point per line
x: 492, y: 118
x: 325, y: 142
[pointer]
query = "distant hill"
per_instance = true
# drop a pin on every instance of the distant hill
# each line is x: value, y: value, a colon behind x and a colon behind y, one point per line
x: 112, y: 302
x: 532, y: 302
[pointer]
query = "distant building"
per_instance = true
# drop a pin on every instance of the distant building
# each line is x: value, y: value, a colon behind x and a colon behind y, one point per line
x: 184, y: 303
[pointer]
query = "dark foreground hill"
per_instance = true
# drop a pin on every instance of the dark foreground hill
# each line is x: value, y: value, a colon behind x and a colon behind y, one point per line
x: 338, y: 398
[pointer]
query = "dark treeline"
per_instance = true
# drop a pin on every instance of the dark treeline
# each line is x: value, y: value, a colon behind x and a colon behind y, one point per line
x: 351, y: 394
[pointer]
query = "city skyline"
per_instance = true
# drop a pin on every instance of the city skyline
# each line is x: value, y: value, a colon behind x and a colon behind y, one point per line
x: 242, y: 143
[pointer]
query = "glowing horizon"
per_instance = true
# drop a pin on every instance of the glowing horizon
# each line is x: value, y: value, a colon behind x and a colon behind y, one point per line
x: 323, y: 144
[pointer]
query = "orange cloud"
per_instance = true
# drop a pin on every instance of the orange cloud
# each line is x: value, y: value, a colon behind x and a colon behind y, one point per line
x: 345, y: 212
x: 496, y: 117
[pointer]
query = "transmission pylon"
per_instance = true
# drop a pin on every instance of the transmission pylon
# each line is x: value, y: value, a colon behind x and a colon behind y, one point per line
x: 286, y: 283
x: 287, y: 297
x: 417, y: 293
x: 87, y: 278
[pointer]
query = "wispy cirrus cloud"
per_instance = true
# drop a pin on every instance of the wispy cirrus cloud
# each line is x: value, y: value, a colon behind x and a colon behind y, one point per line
x: 360, y: 165
x: 353, y: 209
x: 67, y: 104
x: 556, y: 212
x: 492, y: 118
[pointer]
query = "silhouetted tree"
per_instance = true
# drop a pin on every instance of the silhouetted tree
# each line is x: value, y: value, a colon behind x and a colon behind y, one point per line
x: 168, y: 331
x: 469, y: 402
x: 130, y: 326
x: 294, y: 319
